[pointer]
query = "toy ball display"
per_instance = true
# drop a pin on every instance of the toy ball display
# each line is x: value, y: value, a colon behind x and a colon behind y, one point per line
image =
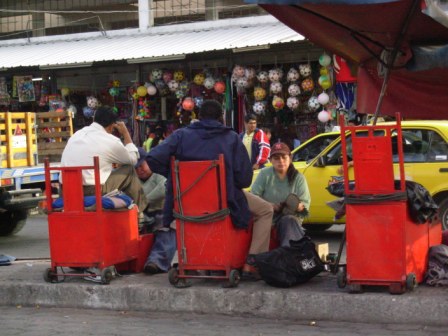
x: 142, y: 91
x: 313, y: 103
x: 323, y: 71
x: 87, y: 112
x: 307, y: 85
x: 113, y: 91
x: 199, y: 79
x: 156, y: 74
x: 278, y: 103
x: 263, y: 77
x: 293, y: 103
x: 324, y: 60
x: 188, y: 104
x: 276, y: 87
x: 167, y: 76
x: 249, y: 73
x: 274, y: 75
x: 238, y: 71
x: 323, y: 116
x: 294, y: 90
x: 116, y: 83
x: 209, y: 82
x: 293, y: 75
x: 259, y: 93
x: 242, y: 83
x: 198, y: 101
x: 173, y: 85
x: 183, y: 85
x: 179, y: 75
x: 324, y: 82
x: 305, y: 70
x: 72, y: 110
x: 65, y: 92
x: 220, y: 87
x: 92, y: 102
x: 151, y: 90
x: 323, y: 98
x: 180, y: 94
x: 259, y: 108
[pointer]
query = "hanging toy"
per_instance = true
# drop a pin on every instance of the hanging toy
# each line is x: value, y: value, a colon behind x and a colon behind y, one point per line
x: 276, y: 87
x: 92, y: 102
x: 87, y: 112
x: 151, y: 90
x: 220, y: 87
x: 155, y: 74
x: 324, y: 60
x: 173, y: 85
x: 199, y: 79
x: 188, y: 104
x: 313, y: 103
x: 198, y: 101
x: 179, y: 76
x: 65, y: 92
x: 259, y: 93
x: 142, y: 91
x: 274, y: 75
x: 113, y: 91
x: 294, y: 90
x: 323, y: 99
x: 305, y: 70
x: 263, y: 77
x: 180, y: 94
x: 209, y: 83
x: 242, y: 84
x: 278, y: 103
x: 307, y: 85
x: 323, y: 116
x: 238, y: 72
x: 324, y: 82
x: 259, y: 108
x: 293, y: 103
x: 116, y: 83
x: 293, y: 75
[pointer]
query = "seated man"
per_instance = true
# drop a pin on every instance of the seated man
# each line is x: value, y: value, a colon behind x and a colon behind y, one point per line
x: 164, y: 247
x: 98, y: 140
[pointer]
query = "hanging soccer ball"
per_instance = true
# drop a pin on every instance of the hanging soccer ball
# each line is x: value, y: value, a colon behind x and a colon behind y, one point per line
x: 276, y: 87
x: 274, y: 75
x: 259, y: 93
x: 242, y: 83
x: 238, y: 71
x: 249, y: 73
x: 167, y: 76
x: 179, y: 76
x: 263, y: 77
x: 305, y: 70
x: 323, y: 116
x: 199, y: 78
x: 209, y: 82
x: 156, y: 74
x: 278, y: 103
x: 294, y: 90
x: 92, y: 102
x: 116, y: 83
x: 293, y: 103
x: 313, y: 103
x: 173, y: 85
x: 323, y: 98
x: 293, y: 75
x: 307, y: 85
x: 220, y: 87
x: 259, y: 108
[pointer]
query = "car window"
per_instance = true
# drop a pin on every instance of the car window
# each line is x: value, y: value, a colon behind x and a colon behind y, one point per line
x: 312, y: 149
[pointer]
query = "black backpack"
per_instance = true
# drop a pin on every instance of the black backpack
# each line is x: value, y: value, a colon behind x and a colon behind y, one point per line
x: 289, y: 266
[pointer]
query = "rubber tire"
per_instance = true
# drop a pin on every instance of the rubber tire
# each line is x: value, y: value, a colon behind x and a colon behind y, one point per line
x: 49, y: 275
x: 411, y: 282
x: 342, y: 277
x: 443, y: 213
x: 173, y: 276
x: 316, y: 227
x: 106, y: 276
x: 234, y: 279
x: 11, y: 222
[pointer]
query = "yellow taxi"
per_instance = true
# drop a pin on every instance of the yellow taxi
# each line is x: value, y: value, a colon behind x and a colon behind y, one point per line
x: 425, y: 147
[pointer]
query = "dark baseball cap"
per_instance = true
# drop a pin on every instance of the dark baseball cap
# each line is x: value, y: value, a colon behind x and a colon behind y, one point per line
x: 142, y: 153
x: 280, y: 148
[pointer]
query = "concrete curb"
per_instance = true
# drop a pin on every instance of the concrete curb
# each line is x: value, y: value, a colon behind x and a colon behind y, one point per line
x: 316, y: 301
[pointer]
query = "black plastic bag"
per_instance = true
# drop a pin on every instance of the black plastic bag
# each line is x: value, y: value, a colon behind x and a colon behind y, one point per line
x: 289, y: 266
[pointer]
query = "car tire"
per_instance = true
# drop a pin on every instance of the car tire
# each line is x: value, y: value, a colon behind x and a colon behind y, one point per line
x: 317, y: 227
x: 12, y: 222
x: 443, y: 213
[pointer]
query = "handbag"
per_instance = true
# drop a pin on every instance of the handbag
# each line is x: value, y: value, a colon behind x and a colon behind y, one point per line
x: 288, y: 266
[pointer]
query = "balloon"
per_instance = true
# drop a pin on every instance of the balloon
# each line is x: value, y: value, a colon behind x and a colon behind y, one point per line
x: 324, y: 60
x: 113, y: 91
x: 323, y: 116
x: 323, y: 71
x: 188, y: 104
x: 326, y: 84
x: 199, y: 79
x: 220, y: 87
x: 88, y: 112
x: 151, y: 90
x: 278, y: 103
x: 323, y: 98
x: 141, y: 91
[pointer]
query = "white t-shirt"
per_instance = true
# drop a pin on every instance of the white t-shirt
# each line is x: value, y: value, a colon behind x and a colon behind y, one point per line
x: 93, y: 141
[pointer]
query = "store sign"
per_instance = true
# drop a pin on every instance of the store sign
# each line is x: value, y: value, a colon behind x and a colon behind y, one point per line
x: 18, y: 139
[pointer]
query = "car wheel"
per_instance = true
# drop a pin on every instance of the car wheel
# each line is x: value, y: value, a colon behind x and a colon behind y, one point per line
x: 12, y: 222
x: 317, y: 227
x: 443, y: 213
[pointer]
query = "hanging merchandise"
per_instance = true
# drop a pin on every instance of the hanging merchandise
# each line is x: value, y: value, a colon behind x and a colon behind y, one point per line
x: 307, y: 85
x: 65, y: 92
x: 88, y: 112
x: 323, y: 99
x: 179, y: 75
x: 294, y: 90
x: 278, y: 103
x: 293, y: 75
x: 259, y: 93
x: 199, y: 79
x: 323, y: 116
x: 209, y: 83
x: 141, y: 91
x: 293, y: 103
x: 25, y: 88
x: 313, y: 103
x: 151, y: 90
x: 155, y: 75
x: 324, y: 60
x: 238, y: 72
x: 276, y: 88
x: 275, y: 75
x: 167, y: 76
x: 220, y: 87
x: 263, y: 77
x: 305, y: 70
x: 259, y: 108
x: 172, y: 85
x: 4, y: 95
x: 325, y: 82
x: 188, y: 104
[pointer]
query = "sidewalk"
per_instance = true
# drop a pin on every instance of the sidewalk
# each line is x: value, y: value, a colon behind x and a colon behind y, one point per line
x: 22, y: 284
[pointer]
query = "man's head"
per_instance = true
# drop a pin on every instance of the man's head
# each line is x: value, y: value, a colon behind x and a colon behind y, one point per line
x: 250, y: 121
x: 210, y: 109
x: 105, y: 116
x: 141, y: 167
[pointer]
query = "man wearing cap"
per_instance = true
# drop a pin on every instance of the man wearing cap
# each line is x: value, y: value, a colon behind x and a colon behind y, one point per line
x: 164, y: 247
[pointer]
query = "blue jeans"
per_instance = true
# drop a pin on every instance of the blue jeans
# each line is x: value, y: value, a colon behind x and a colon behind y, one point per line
x: 289, y: 227
x: 163, y: 249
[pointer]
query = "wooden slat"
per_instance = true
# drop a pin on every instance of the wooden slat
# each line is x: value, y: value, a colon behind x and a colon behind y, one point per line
x: 52, y: 145
x: 46, y: 115
x: 64, y: 134
x: 50, y: 152
x: 62, y: 123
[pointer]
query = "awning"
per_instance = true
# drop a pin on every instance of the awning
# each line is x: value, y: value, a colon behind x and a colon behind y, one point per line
x: 362, y: 31
x: 158, y: 43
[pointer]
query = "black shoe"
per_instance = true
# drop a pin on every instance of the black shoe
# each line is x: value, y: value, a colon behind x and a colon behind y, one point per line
x: 151, y: 268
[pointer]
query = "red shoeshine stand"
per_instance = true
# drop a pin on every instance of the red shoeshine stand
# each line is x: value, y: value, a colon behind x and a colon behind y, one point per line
x: 385, y: 247
x: 208, y: 244
x: 83, y: 239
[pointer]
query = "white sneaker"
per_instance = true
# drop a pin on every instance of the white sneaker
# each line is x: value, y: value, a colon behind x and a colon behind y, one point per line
x: 94, y: 277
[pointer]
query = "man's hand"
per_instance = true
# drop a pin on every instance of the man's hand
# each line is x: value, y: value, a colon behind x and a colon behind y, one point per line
x: 255, y: 166
x: 120, y: 126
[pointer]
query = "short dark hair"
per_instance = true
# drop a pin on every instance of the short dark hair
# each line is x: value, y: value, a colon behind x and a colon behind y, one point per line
x: 105, y: 116
x: 210, y: 109
x: 250, y: 117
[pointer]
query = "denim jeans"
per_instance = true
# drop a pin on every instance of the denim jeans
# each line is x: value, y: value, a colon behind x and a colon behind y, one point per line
x: 289, y: 227
x: 163, y: 249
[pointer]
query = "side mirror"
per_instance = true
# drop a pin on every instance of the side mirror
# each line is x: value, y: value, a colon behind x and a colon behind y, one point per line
x: 321, y: 161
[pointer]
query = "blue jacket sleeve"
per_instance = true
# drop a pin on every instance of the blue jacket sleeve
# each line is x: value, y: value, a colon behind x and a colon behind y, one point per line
x: 242, y: 168
x: 159, y: 158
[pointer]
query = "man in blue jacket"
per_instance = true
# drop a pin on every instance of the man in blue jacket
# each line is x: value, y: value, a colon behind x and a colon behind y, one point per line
x: 205, y: 140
